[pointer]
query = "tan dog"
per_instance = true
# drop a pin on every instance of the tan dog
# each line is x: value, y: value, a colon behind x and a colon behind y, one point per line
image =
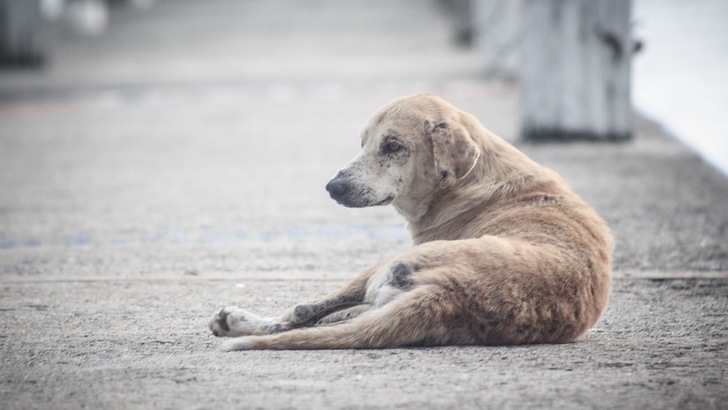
x: 504, y: 252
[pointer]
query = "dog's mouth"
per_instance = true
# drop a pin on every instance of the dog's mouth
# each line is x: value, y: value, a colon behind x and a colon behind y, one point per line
x: 386, y: 201
x: 357, y: 204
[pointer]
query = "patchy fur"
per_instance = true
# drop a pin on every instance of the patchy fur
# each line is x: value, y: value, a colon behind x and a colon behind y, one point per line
x: 504, y: 252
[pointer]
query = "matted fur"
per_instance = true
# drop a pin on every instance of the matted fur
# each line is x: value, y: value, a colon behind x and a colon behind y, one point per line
x: 504, y: 252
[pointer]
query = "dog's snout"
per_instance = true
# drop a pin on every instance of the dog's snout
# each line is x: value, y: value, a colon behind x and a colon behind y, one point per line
x: 337, y: 187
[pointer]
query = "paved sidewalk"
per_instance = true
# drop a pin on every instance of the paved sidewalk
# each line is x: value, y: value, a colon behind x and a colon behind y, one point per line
x: 176, y: 165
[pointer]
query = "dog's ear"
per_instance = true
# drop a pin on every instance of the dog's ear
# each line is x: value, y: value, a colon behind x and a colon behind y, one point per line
x: 455, y: 152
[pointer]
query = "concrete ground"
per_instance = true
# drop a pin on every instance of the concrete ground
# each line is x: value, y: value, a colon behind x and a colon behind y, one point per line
x: 176, y: 165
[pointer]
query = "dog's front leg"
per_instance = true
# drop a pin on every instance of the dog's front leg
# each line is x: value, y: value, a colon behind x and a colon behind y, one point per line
x: 350, y: 295
x: 233, y: 321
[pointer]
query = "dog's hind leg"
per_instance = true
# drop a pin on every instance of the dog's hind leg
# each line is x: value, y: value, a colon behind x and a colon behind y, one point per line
x: 420, y: 316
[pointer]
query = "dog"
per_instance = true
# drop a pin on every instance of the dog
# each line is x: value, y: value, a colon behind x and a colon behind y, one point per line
x: 504, y: 252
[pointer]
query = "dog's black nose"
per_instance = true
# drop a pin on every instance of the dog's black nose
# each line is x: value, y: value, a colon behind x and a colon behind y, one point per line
x: 337, y: 187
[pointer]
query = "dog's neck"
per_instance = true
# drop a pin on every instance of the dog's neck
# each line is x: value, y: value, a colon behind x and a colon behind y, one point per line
x: 502, y: 172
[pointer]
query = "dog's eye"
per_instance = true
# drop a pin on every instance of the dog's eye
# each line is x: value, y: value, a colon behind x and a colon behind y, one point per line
x: 391, y: 147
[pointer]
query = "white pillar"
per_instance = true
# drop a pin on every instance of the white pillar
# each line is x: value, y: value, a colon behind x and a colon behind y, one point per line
x: 575, y: 71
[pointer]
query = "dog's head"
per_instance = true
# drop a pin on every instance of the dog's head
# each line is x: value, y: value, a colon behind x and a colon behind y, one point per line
x: 411, y: 147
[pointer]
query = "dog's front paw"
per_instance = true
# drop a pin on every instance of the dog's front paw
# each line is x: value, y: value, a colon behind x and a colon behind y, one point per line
x: 233, y: 321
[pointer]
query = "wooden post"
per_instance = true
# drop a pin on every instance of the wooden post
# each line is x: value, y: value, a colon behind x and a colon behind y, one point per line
x: 22, y: 33
x: 460, y: 13
x: 497, y: 37
x: 575, y: 71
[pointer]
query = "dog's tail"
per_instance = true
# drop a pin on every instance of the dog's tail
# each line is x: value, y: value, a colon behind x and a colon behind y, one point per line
x: 416, y: 317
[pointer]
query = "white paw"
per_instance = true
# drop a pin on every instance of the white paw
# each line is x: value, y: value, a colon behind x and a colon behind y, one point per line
x: 233, y: 321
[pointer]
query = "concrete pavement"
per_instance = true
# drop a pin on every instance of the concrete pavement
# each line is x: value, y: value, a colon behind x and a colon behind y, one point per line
x: 177, y: 164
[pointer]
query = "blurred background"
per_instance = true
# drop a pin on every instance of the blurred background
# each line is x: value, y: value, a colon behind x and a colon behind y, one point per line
x: 684, y: 64
x: 195, y: 137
